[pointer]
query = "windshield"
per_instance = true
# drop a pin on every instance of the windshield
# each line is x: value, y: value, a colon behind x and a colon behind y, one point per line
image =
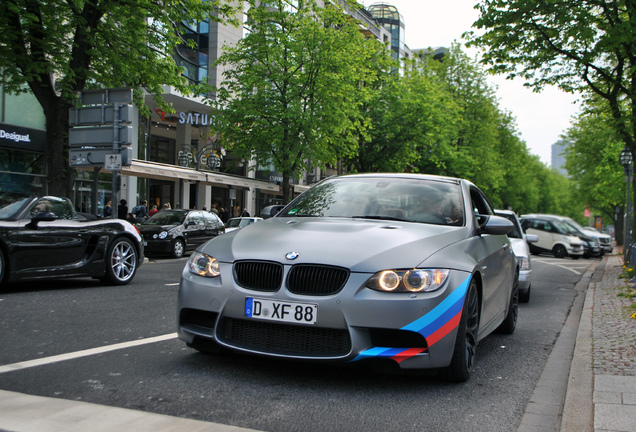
x: 12, y: 203
x: 166, y: 217
x: 414, y: 200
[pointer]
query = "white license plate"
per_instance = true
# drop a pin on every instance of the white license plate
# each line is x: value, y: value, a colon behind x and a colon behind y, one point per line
x: 274, y: 310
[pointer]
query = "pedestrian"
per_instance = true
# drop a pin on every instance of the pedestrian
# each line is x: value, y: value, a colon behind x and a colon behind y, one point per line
x: 245, y: 213
x: 122, y: 209
x: 108, y: 209
x: 166, y: 206
x: 215, y: 209
x: 141, y: 211
x: 153, y: 210
x: 224, y: 214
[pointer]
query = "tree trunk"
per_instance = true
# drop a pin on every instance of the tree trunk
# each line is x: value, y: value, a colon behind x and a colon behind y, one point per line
x: 286, y: 189
x: 60, y: 176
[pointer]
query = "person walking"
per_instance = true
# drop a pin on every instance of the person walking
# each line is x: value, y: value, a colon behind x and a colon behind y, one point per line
x: 122, y: 209
x: 108, y: 209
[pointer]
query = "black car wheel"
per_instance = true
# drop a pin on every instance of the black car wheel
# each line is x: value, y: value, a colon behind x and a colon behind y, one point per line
x: 3, y: 267
x: 559, y: 251
x: 509, y: 324
x: 121, y: 262
x: 178, y: 248
x: 524, y: 297
x: 466, y: 343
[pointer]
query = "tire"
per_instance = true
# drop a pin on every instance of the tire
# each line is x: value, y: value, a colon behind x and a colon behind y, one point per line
x: 3, y: 267
x: 524, y: 297
x: 559, y: 251
x: 509, y: 323
x: 178, y: 248
x: 121, y: 262
x: 465, y: 350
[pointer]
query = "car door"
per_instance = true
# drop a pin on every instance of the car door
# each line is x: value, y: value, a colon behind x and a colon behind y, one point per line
x: 496, y: 264
x: 543, y: 230
x: 50, y: 244
x: 194, y: 230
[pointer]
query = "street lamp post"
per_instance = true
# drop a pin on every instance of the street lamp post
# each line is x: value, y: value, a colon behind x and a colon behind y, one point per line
x: 200, y: 156
x: 626, y: 160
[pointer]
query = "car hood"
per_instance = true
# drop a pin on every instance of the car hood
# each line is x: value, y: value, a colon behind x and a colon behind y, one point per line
x: 360, y: 245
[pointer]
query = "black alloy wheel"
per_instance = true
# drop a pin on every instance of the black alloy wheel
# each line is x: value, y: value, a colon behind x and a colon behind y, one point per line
x: 466, y: 342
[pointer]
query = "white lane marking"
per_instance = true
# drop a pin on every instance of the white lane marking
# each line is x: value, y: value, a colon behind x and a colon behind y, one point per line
x: 172, y: 284
x: 558, y: 265
x: 84, y: 353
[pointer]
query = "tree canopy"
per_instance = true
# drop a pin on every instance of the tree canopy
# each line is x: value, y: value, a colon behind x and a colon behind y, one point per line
x: 295, y: 85
x: 57, y: 48
x: 584, y: 47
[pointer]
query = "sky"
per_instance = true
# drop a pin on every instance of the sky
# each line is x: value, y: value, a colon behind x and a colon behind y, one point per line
x: 541, y: 117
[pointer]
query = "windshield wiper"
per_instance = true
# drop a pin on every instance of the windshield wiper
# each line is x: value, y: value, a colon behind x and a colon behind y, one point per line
x: 380, y: 217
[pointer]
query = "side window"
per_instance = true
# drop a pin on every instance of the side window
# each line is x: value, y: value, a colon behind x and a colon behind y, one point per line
x: 197, y: 218
x: 480, y: 204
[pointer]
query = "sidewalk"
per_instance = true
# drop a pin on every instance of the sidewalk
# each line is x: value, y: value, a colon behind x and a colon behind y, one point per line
x: 601, y: 391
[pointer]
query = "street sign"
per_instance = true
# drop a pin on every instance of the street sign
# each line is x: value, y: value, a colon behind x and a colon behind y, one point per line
x: 98, y: 157
x: 112, y: 162
x: 99, y: 136
x: 106, y: 96
x: 102, y: 114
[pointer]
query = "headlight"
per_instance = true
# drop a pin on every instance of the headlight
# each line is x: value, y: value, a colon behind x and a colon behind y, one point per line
x: 163, y: 234
x: 203, y: 265
x: 415, y: 280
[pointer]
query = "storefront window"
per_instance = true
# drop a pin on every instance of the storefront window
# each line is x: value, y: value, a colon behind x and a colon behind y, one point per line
x: 22, y: 171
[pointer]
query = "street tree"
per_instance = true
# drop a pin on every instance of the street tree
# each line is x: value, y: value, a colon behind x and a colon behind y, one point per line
x: 412, y: 116
x: 578, y: 46
x: 294, y: 87
x: 592, y: 160
x: 57, y: 48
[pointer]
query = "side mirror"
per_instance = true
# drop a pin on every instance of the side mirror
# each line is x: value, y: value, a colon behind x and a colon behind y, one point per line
x: 271, y: 211
x: 41, y: 217
x: 532, y: 238
x: 496, y: 225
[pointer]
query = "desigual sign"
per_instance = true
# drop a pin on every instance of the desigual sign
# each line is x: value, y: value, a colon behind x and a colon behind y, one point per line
x: 13, y: 136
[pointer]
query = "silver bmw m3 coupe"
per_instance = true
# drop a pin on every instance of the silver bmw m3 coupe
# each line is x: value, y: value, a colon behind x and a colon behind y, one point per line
x: 401, y: 270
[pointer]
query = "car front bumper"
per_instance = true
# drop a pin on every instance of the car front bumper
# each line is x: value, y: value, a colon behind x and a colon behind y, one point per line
x: 415, y: 331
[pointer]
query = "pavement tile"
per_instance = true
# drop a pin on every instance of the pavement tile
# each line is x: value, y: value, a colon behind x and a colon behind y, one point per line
x: 614, y: 417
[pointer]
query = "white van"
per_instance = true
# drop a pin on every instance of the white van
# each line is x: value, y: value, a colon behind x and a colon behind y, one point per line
x: 553, y: 237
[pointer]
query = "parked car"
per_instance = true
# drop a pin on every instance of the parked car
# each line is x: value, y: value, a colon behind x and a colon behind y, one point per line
x: 44, y: 237
x: 553, y: 237
x: 240, y: 222
x: 402, y: 270
x: 591, y: 244
x: 520, y: 241
x: 173, y: 232
x: 604, y: 239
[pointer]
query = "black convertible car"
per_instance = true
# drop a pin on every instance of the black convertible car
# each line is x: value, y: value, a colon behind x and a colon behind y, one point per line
x: 43, y: 238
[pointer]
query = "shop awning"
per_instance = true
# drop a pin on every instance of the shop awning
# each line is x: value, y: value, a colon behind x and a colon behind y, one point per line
x: 161, y: 171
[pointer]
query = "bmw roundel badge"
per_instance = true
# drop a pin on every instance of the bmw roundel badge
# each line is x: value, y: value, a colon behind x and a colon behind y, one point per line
x: 292, y: 255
